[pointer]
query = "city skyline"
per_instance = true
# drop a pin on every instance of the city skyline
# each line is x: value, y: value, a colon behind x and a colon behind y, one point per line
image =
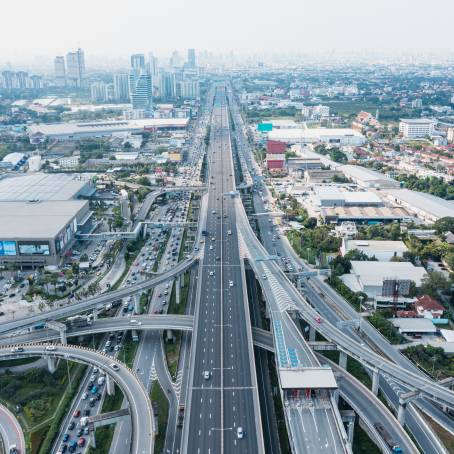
x: 306, y: 27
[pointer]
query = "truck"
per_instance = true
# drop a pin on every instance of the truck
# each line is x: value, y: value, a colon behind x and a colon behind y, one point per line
x: 78, y: 321
x: 83, y: 421
x: 395, y: 448
x: 180, y: 417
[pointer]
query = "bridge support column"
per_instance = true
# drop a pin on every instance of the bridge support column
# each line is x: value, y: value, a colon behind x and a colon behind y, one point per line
x: 95, y: 314
x: 110, y: 385
x: 311, y: 334
x: 343, y: 360
x: 181, y: 279
x: 401, y: 412
x: 144, y: 231
x: 137, y: 303
x: 349, y: 417
x: 375, y: 381
x: 63, y: 339
x: 177, y: 290
x: 93, y: 440
x: 51, y: 364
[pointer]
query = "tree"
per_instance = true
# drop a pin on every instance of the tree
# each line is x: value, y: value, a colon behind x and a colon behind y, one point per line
x: 311, y: 223
x: 449, y: 259
x: 444, y: 225
x: 434, y: 284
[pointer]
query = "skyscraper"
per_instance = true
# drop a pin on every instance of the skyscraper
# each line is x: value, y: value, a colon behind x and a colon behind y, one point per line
x: 191, y: 58
x: 152, y: 65
x: 98, y: 91
x: 175, y: 59
x: 60, y: 70
x: 121, y: 87
x: 137, y: 61
x: 75, y: 62
x: 141, y: 90
x: 168, y: 85
x: 21, y: 80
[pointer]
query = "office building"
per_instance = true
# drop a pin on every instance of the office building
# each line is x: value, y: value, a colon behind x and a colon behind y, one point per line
x: 8, y: 80
x: 138, y: 61
x: 418, y: 128
x: 152, y: 65
x: 121, y: 87
x: 60, y: 71
x: 191, y: 63
x: 75, y: 62
x: 175, y: 59
x: 21, y: 80
x: 36, y: 82
x: 188, y: 89
x: 98, y: 91
x: 337, y: 137
x: 141, y: 90
x: 167, y: 85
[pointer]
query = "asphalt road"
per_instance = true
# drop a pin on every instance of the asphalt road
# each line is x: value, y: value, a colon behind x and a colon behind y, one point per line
x: 225, y: 401
x: 11, y: 431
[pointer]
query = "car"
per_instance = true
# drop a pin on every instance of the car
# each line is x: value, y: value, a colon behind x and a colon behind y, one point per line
x: 264, y: 276
x: 211, y: 273
x: 65, y: 437
x: 51, y: 348
x: 84, y: 396
x: 240, y: 432
x: 79, y: 432
x: 86, y: 431
x: 71, y: 425
x: 17, y: 349
x: 230, y: 283
x: 87, y: 412
x: 114, y: 367
x: 318, y: 319
x: 76, y: 413
x: 206, y: 374
x: 211, y: 247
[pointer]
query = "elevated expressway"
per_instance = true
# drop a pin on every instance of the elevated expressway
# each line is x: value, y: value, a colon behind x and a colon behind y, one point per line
x: 139, y: 402
x: 366, y: 405
x: 97, y: 301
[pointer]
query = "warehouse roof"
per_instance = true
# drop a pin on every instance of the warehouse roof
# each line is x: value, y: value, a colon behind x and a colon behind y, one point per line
x: 372, y: 273
x: 40, y: 186
x: 414, y: 325
x: 367, y: 175
x: 435, y: 206
x: 371, y: 245
x: 23, y: 220
x: 311, y: 133
x: 107, y: 126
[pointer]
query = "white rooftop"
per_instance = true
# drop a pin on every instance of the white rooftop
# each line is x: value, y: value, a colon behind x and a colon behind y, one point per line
x: 372, y: 245
x: 315, y: 378
x: 311, y: 133
x: 40, y: 186
x: 372, y: 273
x: 421, y: 121
x: 414, y: 325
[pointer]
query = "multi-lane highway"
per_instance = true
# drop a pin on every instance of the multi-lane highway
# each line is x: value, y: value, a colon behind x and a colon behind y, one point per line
x: 223, y: 413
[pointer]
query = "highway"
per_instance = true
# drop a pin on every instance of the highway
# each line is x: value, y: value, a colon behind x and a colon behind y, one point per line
x: 222, y: 345
x: 127, y: 380
x: 11, y: 431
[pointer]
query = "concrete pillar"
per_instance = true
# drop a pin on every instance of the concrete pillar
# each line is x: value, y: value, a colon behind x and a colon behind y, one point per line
x: 137, y: 303
x: 177, y: 290
x: 181, y: 280
x: 375, y: 381
x: 93, y: 439
x: 95, y: 314
x: 144, y: 231
x: 311, y: 334
x: 350, y: 431
x: 401, y: 412
x: 336, y: 395
x: 343, y: 360
x: 63, y: 339
x: 110, y: 385
x: 51, y: 364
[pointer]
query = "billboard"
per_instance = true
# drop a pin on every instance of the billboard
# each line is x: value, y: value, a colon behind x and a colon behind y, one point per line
x: 8, y: 248
x: 264, y: 127
x: 33, y: 248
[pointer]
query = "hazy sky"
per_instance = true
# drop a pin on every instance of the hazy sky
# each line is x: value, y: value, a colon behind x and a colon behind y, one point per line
x: 121, y: 27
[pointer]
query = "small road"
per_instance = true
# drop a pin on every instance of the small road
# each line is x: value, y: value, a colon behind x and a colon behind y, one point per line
x: 11, y: 431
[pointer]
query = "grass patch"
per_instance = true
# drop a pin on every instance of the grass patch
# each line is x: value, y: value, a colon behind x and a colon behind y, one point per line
x: 362, y: 444
x: 129, y: 350
x: 161, y: 405
x: 36, y: 438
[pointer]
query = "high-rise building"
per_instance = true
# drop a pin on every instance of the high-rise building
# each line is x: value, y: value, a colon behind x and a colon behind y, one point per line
x: 21, y: 80
x: 189, y: 88
x: 137, y: 61
x: 121, y: 87
x: 152, y: 65
x: 8, y: 80
x: 75, y: 62
x: 36, y: 82
x: 60, y: 70
x: 141, y: 90
x: 98, y: 91
x: 167, y: 85
x: 175, y: 59
x: 191, y: 58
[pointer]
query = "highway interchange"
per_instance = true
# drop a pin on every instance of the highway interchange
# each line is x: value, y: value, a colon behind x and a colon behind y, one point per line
x: 217, y: 381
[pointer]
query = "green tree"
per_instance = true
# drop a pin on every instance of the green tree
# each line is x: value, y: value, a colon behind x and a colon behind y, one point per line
x: 434, y: 284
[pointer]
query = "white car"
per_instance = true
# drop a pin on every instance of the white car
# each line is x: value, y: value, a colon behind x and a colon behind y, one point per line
x: 51, y: 348
x: 264, y: 276
x: 230, y: 283
x: 240, y: 432
x: 211, y: 247
x: 206, y: 374
x: 211, y: 273
x: 84, y: 396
